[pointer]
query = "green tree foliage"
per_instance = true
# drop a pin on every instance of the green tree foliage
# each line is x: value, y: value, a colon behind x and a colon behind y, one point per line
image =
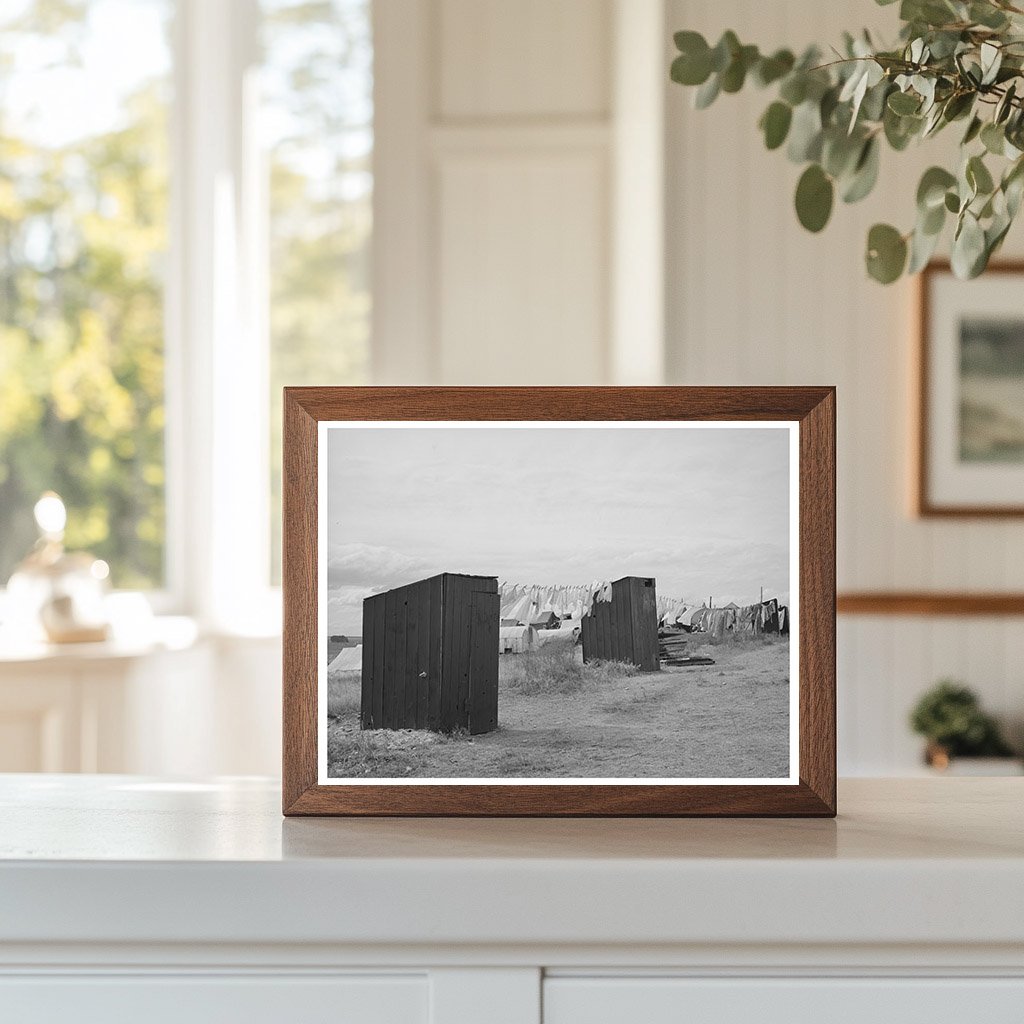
x: 957, y: 61
x: 318, y: 90
x: 82, y: 228
x: 83, y: 236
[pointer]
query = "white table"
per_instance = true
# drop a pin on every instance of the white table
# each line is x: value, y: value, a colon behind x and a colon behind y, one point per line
x: 197, y: 902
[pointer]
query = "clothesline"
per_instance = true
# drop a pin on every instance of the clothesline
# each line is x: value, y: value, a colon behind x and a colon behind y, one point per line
x: 528, y: 602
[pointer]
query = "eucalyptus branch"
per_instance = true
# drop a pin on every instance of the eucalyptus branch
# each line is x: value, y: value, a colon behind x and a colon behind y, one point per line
x: 955, y: 61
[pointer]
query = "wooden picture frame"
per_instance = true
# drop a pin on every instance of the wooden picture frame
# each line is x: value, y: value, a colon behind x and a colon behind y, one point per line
x: 932, y: 444
x: 810, y: 788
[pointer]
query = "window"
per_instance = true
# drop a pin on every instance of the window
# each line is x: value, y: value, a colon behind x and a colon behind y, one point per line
x: 317, y: 88
x: 83, y: 235
x: 185, y: 222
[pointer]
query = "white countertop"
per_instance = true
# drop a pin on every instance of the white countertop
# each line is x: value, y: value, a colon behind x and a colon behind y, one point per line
x: 121, y: 859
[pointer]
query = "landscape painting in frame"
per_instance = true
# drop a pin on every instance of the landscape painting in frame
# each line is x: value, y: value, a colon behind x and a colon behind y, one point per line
x: 972, y: 393
x: 557, y: 602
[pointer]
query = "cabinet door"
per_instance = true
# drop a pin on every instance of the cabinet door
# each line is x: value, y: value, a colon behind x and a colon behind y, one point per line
x: 202, y: 999
x: 782, y: 1001
x: 43, y: 718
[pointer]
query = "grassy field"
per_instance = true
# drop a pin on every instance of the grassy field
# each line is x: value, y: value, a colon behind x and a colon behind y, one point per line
x: 560, y: 718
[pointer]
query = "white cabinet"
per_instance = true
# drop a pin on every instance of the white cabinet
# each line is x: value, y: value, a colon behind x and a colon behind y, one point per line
x: 127, y: 899
x: 834, y: 1000
x: 202, y: 999
x: 174, y: 704
x: 101, y: 707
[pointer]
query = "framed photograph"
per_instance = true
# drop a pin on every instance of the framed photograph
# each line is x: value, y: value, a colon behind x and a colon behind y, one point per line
x: 970, y: 451
x: 559, y: 601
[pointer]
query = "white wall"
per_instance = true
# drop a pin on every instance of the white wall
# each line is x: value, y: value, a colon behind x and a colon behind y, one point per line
x: 502, y: 131
x: 754, y: 299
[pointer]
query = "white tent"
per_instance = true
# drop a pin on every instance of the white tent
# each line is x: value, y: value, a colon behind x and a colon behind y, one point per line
x: 516, y: 639
x: 348, y: 659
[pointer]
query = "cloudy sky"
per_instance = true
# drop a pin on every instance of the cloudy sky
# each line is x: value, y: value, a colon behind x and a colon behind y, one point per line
x: 703, y: 510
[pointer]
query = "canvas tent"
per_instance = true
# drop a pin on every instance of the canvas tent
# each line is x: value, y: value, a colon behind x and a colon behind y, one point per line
x: 546, y: 620
x: 348, y: 659
x: 516, y: 639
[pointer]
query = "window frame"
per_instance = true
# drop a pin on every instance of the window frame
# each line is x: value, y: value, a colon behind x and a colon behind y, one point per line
x: 215, y: 320
x: 216, y: 347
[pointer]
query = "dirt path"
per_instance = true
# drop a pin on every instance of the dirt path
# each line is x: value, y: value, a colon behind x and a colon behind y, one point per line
x: 730, y: 719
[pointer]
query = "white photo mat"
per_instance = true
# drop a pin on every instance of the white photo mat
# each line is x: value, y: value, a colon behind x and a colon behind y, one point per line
x: 323, y: 430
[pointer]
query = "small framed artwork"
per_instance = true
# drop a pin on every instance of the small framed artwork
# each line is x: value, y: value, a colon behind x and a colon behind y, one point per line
x: 559, y: 601
x: 970, y: 450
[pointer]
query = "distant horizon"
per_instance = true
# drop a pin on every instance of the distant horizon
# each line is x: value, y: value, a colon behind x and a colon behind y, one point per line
x: 703, y: 510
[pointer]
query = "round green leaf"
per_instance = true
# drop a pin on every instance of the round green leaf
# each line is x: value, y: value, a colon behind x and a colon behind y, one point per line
x: 1005, y: 105
x: 840, y: 152
x: 770, y: 69
x: 775, y: 123
x: 933, y: 187
x: 693, y: 65
x: 865, y: 173
x: 689, y: 42
x: 814, y: 194
x: 903, y: 103
x: 794, y: 89
x: 932, y: 220
x: 887, y: 253
x: 805, y: 133
x: 978, y: 176
x: 735, y: 74
x: 987, y: 15
x: 958, y: 106
x: 900, y: 130
x: 968, y: 256
x: 725, y: 49
x: 922, y: 248
x: 707, y: 93
x: 952, y: 202
x: 973, y: 130
x: 993, y: 138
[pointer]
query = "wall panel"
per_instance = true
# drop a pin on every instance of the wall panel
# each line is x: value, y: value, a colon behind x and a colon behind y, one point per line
x: 530, y: 58
x: 522, y: 285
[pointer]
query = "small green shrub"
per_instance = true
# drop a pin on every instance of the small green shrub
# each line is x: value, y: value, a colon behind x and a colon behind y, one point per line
x: 950, y: 716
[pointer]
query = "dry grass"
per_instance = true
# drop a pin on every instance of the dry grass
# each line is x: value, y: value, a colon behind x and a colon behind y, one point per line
x: 343, y: 694
x: 555, y: 669
x: 738, y: 640
x: 559, y: 718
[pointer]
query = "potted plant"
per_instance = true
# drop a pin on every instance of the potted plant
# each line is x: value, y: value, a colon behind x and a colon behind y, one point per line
x: 957, y: 62
x: 950, y: 717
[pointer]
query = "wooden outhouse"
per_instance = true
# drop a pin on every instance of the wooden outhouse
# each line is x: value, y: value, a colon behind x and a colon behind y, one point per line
x: 626, y: 627
x: 430, y: 655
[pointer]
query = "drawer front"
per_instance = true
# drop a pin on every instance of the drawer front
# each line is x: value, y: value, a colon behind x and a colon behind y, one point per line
x: 782, y: 1001
x: 202, y: 999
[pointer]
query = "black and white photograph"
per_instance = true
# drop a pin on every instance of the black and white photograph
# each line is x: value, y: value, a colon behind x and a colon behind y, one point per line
x: 557, y: 602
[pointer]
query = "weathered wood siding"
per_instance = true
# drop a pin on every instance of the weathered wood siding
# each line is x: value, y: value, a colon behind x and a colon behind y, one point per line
x: 626, y: 627
x: 430, y: 655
